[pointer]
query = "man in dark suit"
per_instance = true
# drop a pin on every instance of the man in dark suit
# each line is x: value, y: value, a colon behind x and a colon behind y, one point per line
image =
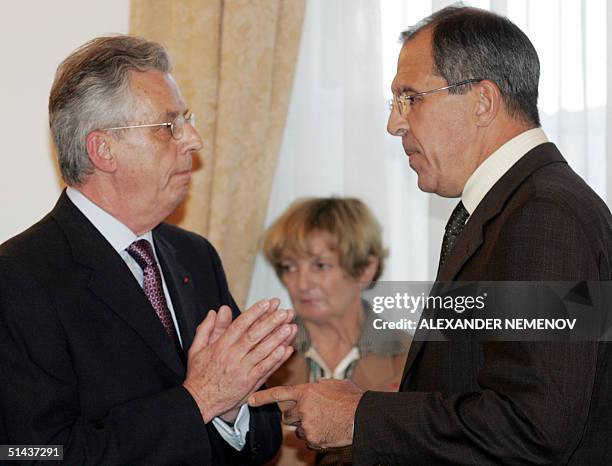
x: 116, y: 332
x: 465, y: 106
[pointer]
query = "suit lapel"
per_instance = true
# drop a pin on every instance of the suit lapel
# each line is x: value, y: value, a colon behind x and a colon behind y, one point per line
x: 113, y: 283
x: 472, y: 236
x: 421, y: 336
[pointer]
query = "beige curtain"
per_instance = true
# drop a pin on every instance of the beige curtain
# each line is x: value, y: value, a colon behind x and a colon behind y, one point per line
x: 234, y: 61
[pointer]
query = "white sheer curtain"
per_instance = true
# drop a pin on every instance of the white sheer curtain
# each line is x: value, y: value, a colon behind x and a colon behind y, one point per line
x: 335, y: 140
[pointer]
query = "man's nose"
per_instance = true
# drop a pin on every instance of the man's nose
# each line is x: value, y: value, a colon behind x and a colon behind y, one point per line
x: 192, y: 135
x: 397, y: 124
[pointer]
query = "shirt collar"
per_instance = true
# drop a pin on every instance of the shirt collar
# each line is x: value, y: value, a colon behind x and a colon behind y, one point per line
x: 340, y: 372
x: 497, y: 164
x: 115, y: 232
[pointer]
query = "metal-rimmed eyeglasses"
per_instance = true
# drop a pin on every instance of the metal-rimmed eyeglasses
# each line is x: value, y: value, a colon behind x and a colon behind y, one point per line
x: 403, y: 102
x: 177, y: 126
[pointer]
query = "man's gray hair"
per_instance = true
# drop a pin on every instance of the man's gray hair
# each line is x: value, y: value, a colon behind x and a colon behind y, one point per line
x: 91, y: 91
x: 473, y: 43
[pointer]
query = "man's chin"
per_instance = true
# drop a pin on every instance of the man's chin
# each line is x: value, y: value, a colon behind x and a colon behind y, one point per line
x: 174, y: 205
x: 435, y: 189
x: 424, y: 185
x: 180, y: 198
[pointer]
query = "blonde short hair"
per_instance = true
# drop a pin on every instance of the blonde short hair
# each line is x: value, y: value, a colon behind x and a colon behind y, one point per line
x: 355, y: 233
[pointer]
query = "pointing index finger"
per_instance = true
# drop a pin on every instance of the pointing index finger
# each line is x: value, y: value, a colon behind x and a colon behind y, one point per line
x: 276, y: 394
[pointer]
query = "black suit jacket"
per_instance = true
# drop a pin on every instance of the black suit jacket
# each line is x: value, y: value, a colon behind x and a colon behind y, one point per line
x: 465, y: 402
x: 84, y: 360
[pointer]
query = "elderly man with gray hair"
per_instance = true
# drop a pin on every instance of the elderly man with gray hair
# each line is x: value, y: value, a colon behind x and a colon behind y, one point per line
x: 119, y: 338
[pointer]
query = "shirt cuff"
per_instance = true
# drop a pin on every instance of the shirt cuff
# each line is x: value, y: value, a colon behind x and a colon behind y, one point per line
x: 235, y: 435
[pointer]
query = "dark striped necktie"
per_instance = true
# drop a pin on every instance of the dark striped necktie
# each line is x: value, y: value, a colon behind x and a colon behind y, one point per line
x: 455, y: 225
x: 152, y: 286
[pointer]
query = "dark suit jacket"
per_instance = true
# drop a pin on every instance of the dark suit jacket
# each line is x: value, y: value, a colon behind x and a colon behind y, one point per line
x: 85, y: 362
x: 508, y: 402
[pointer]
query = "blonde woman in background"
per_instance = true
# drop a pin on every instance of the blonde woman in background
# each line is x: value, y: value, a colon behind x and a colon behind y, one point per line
x: 326, y: 251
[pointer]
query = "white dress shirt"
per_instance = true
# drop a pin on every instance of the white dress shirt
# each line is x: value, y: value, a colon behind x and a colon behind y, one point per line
x: 497, y: 164
x: 120, y: 237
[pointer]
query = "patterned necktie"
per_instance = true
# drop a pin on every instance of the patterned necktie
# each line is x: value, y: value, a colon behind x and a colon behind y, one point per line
x: 142, y: 253
x: 455, y: 225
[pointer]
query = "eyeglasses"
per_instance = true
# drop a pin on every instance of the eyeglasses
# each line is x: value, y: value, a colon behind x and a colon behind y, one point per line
x: 177, y: 126
x: 403, y: 102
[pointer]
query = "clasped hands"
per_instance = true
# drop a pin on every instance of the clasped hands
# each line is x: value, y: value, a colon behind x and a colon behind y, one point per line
x: 229, y: 360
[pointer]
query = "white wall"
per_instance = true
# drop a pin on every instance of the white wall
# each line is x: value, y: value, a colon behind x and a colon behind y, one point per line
x: 35, y: 35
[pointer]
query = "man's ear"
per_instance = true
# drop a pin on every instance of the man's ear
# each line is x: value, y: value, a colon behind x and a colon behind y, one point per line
x: 488, y: 102
x: 99, y: 151
x: 369, y: 272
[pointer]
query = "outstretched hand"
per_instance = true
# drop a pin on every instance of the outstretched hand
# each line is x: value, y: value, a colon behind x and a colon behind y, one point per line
x: 323, y: 412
